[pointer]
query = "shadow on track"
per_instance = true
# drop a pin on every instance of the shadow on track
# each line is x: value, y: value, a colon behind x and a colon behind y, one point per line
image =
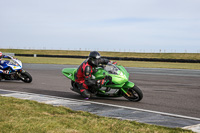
x: 72, y: 95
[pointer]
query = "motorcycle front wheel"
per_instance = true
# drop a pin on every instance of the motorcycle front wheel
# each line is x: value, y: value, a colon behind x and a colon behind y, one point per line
x: 26, y: 77
x: 134, y: 94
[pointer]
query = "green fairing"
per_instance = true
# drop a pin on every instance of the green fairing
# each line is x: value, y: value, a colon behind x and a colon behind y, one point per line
x: 119, y: 79
x: 115, y: 86
x: 100, y: 74
x: 124, y: 71
x: 128, y: 85
x: 120, y: 86
x: 69, y: 73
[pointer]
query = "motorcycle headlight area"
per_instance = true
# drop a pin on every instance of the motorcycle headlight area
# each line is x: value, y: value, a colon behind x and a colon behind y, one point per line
x: 13, y: 63
x: 121, y: 74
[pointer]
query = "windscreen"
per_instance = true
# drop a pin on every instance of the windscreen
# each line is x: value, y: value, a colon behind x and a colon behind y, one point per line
x: 112, y: 69
x: 12, y: 62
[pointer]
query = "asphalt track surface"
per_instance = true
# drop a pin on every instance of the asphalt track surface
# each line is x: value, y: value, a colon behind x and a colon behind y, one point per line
x: 175, y: 91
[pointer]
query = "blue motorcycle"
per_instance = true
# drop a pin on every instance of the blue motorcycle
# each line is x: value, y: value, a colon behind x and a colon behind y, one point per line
x: 14, y: 71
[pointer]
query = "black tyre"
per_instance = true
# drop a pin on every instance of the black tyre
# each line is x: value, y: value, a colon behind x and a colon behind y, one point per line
x: 72, y: 83
x: 26, y: 77
x: 134, y: 94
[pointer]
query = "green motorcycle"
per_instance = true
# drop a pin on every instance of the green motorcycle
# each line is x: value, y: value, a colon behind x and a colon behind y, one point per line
x: 118, y: 86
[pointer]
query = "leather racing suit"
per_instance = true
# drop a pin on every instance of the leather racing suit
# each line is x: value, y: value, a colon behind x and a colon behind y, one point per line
x: 1, y: 62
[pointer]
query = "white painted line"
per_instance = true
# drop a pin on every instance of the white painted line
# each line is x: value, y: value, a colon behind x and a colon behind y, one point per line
x: 169, y: 74
x: 161, y: 69
x: 112, y: 105
x: 149, y: 111
x: 194, y: 128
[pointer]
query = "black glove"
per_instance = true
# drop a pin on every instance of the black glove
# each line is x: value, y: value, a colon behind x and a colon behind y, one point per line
x: 113, y: 62
x: 104, y: 61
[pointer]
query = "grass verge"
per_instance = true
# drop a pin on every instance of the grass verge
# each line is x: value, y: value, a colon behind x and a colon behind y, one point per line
x: 192, y: 56
x: 72, y: 61
x: 145, y: 64
x: 19, y: 116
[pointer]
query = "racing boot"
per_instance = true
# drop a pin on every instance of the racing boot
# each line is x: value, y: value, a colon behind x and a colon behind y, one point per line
x: 5, y: 71
x: 75, y: 87
x: 85, y: 93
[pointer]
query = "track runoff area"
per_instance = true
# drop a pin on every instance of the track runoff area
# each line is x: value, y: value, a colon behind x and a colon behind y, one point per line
x: 145, y: 78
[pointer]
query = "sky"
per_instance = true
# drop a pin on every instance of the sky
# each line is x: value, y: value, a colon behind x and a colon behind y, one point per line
x: 102, y: 25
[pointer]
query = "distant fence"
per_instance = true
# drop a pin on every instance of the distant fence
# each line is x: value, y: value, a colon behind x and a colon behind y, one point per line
x: 115, y: 58
x: 11, y: 54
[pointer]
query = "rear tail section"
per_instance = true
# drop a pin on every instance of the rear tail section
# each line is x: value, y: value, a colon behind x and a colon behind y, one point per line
x: 69, y: 73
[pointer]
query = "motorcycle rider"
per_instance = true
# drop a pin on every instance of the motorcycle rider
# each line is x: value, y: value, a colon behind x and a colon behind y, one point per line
x: 84, y: 73
x: 1, y: 62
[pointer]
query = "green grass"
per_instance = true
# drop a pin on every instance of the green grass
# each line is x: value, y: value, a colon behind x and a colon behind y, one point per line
x: 72, y: 61
x: 22, y: 116
x: 145, y: 64
x: 194, y: 56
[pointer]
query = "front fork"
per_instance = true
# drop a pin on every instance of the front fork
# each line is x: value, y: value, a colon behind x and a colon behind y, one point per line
x: 126, y: 92
x: 20, y: 75
x: 126, y: 86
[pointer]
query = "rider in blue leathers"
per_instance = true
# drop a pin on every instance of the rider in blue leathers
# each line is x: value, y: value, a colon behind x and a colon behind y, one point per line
x: 1, y: 62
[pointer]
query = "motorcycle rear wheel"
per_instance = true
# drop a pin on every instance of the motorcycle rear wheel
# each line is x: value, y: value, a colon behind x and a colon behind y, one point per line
x: 72, y: 83
x: 27, y: 78
x: 134, y: 94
